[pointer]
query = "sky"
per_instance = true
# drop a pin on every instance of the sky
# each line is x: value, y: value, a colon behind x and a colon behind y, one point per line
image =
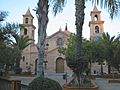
x: 17, y: 8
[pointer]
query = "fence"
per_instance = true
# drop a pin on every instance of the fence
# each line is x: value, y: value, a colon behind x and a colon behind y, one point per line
x: 6, y: 84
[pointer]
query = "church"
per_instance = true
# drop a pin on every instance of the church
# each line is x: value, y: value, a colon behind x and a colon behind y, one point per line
x: 54, y: 61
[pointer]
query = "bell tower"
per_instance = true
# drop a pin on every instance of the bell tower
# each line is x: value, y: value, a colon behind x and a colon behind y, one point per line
x: 28, y: 29
x: 96, y: 24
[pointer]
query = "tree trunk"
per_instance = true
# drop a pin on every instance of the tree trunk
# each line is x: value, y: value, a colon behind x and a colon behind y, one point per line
x: 101, y: 68
x: 79, y: 6
x: 109, y: 69
x: 42, y: 15
x: 90, y: 66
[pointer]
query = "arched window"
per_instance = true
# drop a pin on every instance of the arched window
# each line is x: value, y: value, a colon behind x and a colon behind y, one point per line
x: 23, y: 58
x: 26, y: 20
x: 25, y: 31
x: 96, y: 17
x: 59, y: 42
x: 96, y: 29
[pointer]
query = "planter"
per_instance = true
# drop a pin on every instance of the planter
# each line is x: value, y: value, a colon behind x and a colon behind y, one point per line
x: 114, y: 81
x: 22, y: 75
x: 95, y: 87
x: 65, y: 87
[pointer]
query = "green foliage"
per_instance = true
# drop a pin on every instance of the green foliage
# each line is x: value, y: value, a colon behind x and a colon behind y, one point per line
x: 26, y: 72
x: 69, y: 51
x: 58, y: 6
x: 105, y: 49
x: 18, y: 70
x: 42, y: 83
x: 3, y: 15
x: 86, y: 84
x: 112, y: 6
x: 21, y: 42
x: 11, y: 44
x: 7, y: 55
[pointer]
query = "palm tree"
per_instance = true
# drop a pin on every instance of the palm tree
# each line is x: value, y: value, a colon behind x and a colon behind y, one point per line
x: 109, y: 49
x: 3, y: 15
x: 116, y: 49
x: 21, y: 42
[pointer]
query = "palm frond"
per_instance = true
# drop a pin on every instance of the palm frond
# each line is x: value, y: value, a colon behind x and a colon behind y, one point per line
x: 58, y: 6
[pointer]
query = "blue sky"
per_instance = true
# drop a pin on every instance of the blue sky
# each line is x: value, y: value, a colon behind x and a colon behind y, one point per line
x: 17, y: 8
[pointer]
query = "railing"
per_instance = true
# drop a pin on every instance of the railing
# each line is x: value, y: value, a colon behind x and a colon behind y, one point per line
x: 6, y: 84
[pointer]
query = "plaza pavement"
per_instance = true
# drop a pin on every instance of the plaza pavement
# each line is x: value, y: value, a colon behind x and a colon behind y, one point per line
x: 55, y: 76
x: 104, y: 85
x: 101, y: 82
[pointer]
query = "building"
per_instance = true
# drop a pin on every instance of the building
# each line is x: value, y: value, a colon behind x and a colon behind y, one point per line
x: 29, y: 54
x: 96, y: 31
x: 96, y: 24
x: 54, y: 61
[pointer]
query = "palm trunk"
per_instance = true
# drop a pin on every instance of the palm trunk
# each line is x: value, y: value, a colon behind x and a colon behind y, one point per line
x: 80, y: 6
x: 42, y: 15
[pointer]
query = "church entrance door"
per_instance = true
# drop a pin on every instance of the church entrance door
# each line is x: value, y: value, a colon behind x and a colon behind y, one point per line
x: 59, y: 65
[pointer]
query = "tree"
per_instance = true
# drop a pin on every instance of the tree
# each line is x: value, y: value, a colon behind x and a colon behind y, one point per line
x: 21, y: 42
x: 116, y: 49
x: 11, y: 44
x: 3, y: 32
x: 88, y: 52
x: 5, y: 37
x: 3, y: 15
x: 109, y: 49
x: 42, y: 12
x: 99, y: 53
x: 69, y: 52
x: 111, y: 5
x: 7, y: 57
x: 42, y: 15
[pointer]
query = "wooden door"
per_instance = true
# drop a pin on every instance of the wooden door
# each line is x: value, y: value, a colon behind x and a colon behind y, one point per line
x: 59, y: 65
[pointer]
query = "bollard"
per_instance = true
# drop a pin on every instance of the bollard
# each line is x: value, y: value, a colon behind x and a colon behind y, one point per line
x: 13, y: 85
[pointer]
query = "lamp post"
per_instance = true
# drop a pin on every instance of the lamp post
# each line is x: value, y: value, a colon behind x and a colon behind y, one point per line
x: 46, y: 52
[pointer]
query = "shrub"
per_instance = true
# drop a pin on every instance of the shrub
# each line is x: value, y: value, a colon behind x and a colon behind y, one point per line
x: 26, y: 72
x: 86, y: 83
x: 42, y: 83
x: 18, y: 70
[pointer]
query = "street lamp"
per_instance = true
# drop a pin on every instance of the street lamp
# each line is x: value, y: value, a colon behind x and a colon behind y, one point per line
x: 46, y: 52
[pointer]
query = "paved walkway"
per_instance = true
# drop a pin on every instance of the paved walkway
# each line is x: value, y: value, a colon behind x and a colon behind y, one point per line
x: 104, y: 85
x: 26, y: 80
x: 101, y: 82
